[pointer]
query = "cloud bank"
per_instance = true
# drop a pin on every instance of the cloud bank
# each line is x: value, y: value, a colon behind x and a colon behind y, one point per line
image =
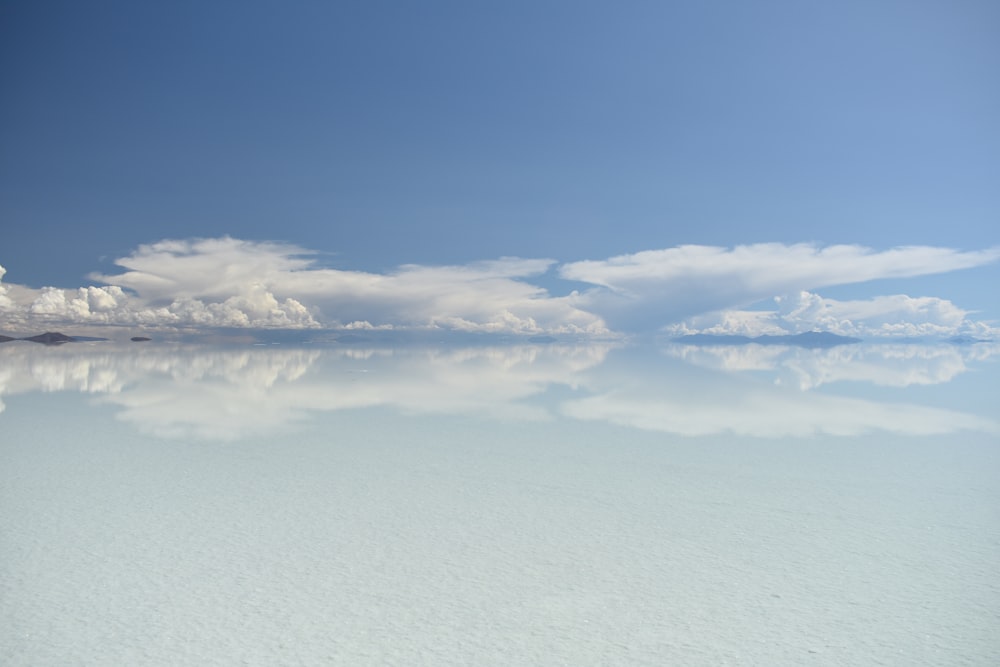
x: 896, y: 315
x: 234, y: 283
x: 227, y: 282
x: 651, y: 289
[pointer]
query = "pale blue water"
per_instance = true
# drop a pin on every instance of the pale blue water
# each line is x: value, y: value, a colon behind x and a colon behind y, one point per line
x: 539, y: 505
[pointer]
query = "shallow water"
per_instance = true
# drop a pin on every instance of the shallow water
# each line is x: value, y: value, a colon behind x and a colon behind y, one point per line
x: 557, y: 505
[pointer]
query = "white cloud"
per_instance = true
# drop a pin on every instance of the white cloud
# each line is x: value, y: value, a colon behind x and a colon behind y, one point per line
x: 226, y: 282
x: 204, y: 268
x: 111, y: 305
x: 6, y: 303
x: 884, y: 316
x: 248, y: 306
x: 231, y: 282
x: 650, y: 289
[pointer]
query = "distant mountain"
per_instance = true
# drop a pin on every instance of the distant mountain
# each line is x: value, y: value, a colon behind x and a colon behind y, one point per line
x: 50, y: 338
x: 810, y: 339
x: 53, y: 338
x: 966, y: 340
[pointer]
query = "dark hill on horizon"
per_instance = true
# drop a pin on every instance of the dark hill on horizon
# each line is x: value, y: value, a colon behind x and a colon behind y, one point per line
x: 52, y: 338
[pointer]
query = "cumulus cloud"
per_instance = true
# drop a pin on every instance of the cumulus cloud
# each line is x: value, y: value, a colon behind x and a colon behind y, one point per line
x: 226, y: 282
x: 111, y: 305
x: 6, y: 303
x: 650, y: 289
x: 242, y: 283
x: 204, y: 268
x: 895, y: 315
x: 237, y: 304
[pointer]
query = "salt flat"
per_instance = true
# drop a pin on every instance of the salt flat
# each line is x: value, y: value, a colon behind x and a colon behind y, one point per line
x: 541, y: 505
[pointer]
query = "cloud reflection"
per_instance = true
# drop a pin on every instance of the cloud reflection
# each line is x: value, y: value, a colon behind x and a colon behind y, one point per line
x: 228, y: 394
x: 765, y: 412
x: 222, y: 393
x: 885, y: 365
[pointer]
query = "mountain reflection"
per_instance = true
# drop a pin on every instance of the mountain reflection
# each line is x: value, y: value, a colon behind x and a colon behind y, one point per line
x: 229, y: 393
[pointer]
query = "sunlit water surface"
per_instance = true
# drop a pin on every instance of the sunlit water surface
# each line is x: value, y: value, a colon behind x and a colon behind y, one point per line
x: 540, y: 505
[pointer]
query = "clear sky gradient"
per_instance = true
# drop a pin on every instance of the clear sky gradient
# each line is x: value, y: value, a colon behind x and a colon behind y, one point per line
x: 380, y: 134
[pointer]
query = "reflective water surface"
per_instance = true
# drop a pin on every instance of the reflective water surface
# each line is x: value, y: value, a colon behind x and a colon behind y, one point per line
x: 545, y: 504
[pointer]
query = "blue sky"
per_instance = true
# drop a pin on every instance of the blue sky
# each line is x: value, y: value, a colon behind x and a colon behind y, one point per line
x: 378, y: 134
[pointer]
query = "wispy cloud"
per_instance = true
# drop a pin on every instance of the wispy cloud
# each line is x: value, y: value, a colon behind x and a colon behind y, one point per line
x: 226, y: 282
